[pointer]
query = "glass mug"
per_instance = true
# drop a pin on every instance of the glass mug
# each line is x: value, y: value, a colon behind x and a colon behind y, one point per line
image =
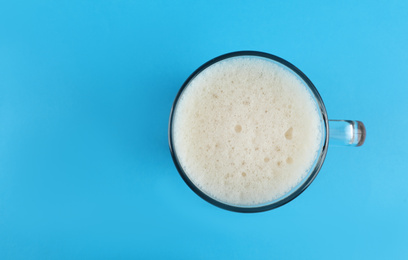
x: 339, y: 132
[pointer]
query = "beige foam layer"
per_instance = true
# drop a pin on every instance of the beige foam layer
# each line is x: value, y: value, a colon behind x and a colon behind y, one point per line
x: 246, y: 131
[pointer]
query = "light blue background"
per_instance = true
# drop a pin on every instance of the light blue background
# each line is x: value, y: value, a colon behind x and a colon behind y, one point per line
x: 86, y: 89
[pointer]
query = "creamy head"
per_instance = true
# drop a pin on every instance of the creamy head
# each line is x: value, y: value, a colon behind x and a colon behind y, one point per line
x: 246, y: 131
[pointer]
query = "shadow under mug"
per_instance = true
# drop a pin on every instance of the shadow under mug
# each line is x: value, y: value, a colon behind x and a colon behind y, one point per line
x: 339, y: 132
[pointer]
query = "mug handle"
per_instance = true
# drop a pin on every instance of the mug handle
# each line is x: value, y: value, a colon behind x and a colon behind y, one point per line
x: 346, y: 133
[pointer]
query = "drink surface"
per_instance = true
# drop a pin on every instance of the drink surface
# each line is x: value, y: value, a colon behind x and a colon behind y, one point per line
x: 246, y: 130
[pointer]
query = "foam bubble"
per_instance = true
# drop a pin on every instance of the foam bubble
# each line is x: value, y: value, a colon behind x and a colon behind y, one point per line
x: 238, y: 128
x: 289, y: 133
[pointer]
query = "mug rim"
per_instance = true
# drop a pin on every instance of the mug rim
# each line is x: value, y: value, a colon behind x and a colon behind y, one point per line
x: 311, y: 176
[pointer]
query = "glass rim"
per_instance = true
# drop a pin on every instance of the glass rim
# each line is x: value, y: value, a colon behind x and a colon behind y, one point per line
x: 311, y: 175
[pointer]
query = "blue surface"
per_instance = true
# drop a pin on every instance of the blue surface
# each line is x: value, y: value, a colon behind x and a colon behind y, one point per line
x: 86, y: 89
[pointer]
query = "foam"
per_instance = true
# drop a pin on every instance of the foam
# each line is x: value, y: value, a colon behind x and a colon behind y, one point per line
x: 246, y: 131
